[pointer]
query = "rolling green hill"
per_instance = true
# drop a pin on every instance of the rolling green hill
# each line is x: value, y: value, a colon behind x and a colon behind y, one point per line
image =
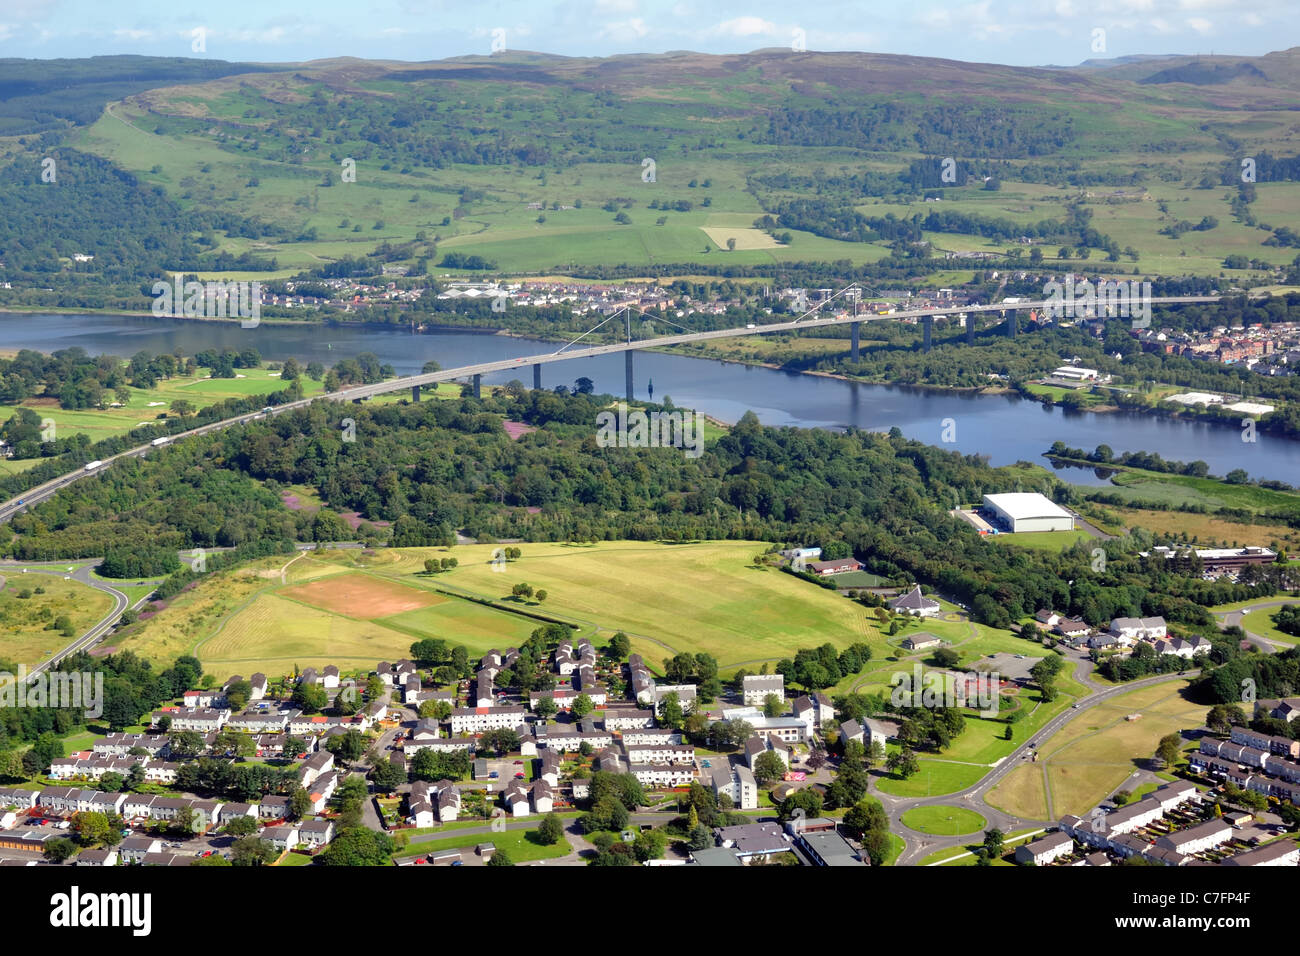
x: 543, y: 164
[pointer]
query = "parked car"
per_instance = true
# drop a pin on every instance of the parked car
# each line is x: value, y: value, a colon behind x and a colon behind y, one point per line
x: 493, y: 775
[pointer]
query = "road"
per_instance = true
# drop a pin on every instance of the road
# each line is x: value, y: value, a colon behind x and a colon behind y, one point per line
x: 61, y: 569
x: 1234, y: 619
x: 920, y: 845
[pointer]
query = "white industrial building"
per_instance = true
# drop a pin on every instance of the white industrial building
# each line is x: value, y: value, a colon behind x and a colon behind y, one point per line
x: 1022, y: 512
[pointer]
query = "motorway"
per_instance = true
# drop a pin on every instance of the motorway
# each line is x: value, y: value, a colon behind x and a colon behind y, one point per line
x: 43, y: 491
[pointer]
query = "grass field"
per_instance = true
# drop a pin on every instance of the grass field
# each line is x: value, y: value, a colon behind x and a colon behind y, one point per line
x: 353, y: 608
x: 249, y: 143
x: 667, y: 598
x: 1096, y: 752
x: 1206, y: 529
x: 1261, y: 622
x: 147, y: 406
x: 26, y: 632
x: 965, y: 856
x: 1041, y: 540
x: 943, y: 821
x: 514, y: 842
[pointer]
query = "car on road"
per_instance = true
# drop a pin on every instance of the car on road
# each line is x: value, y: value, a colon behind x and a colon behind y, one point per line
x: 519, y: 763
x: 493, y: 775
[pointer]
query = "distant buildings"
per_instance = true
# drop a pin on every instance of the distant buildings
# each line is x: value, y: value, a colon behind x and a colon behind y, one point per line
x: 914, y: 602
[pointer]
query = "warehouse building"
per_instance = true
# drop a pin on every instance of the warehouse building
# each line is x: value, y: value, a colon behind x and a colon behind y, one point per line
x: 1021, y: 512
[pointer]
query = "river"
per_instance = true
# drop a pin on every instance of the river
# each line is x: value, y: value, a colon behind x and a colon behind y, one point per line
x: 1006, y: 428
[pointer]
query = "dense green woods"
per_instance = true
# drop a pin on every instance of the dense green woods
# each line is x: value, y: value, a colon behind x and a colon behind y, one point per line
x: 437, y: 467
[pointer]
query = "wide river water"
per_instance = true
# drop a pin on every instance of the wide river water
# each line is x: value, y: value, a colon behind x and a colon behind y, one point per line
x: 1005, y: 428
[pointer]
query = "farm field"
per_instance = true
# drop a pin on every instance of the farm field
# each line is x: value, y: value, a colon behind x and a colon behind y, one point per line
x: 1206, y: 528
x: 1096, y: 752
x: 584, y: 197
x: 147, y: 406
x: 311, y: 615
x: 26, y: 636
x: 739, y: 613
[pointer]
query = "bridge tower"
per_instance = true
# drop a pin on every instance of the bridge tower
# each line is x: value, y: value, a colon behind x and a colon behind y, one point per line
x: 927, y: 330
x: 854, y: 328
x: 415, y: 393
x: 627, y: 356
x: 537, y: 376
x: 970, y: 328
x: 1011, y: 323
x: 478, y: 385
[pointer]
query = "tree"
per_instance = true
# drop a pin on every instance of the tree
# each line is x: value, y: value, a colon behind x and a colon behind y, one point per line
x: 358, y: 846
x: 252, y: 851
x: 772, y: 706
x: 347, y: 746
x: 181, y: 408
x: 582, y: 705
x: 299, y: 804
x: 502, y: 740
x: 435, y: 710
x: 993, y: 840
x: 429, y: 651
x: 500, y: 858
x: 310, y: 698
x: 619, y: 646
x: 1169, y: 748
x: 387, y: 776
x: 241, y: 826
x: 59, y: 849
x: 540, y: 595
x: 92, y: 828
x: 551, y: 830
x: 768, y: 767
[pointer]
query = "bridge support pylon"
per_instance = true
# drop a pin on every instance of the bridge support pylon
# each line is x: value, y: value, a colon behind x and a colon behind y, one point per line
x: 415, y: 393
x: 1011, y: 324
x: 537, y: 376
x: 927, y: 331
x: 970, y: 328
x: 854, y: 329
x: 627, y: 366
x: 478, y: 385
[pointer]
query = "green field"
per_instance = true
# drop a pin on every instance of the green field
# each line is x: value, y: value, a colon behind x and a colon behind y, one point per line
x: 148, y: 406
x: 514, y: 842
x: 274, y: 142
x: 943, y: 821
x: 1261, y: 622
x: 667, y: 598
x: 26, y: 632
x: 1096, y: 752
x: 1042, y: 540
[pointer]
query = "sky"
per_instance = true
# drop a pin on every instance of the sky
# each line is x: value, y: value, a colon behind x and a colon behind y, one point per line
x: 1018, y: 32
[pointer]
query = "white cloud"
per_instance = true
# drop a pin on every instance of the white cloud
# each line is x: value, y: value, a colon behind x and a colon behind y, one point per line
x: 624, y: 31
x: 125, y: 34
x: 746, y: 27
x: 1200, y: 25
